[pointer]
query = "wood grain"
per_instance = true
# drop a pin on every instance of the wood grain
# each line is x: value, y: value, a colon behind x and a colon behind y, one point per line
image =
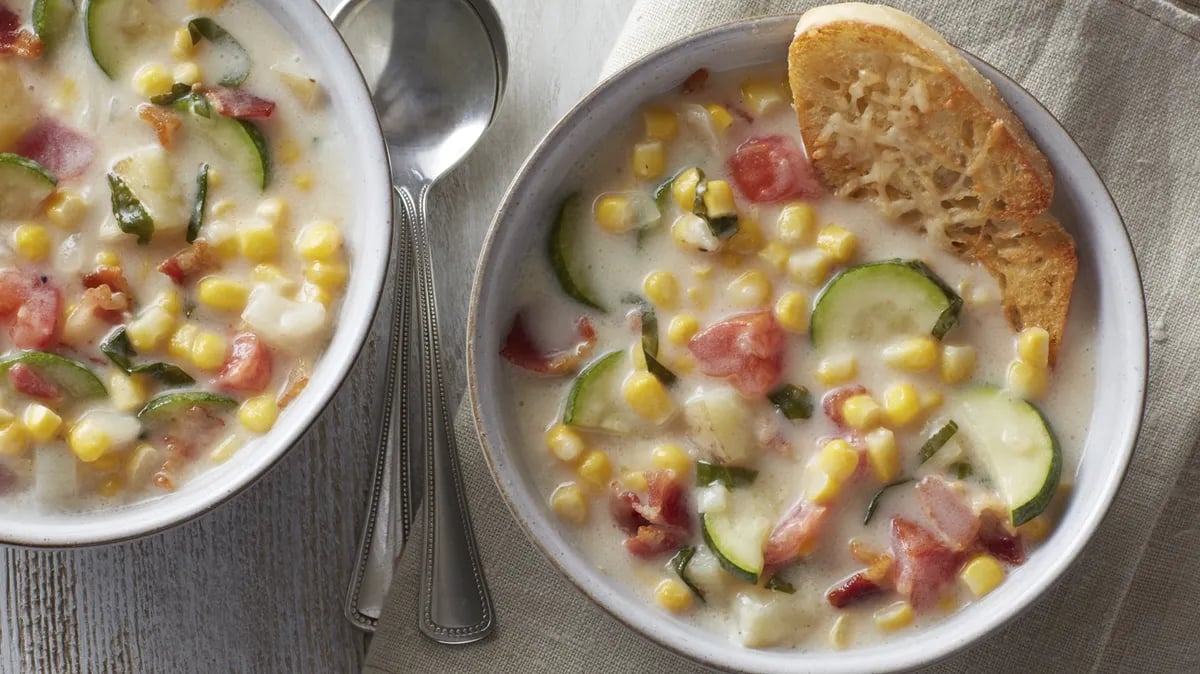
x: 258, y: 584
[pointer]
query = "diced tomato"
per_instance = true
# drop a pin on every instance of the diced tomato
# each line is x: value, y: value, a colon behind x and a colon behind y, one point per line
x: 32, y: 305
x: 248, y: 367
x: 746, y: 348
x: 854, y: 588
x: 949, y: 511
x: 999, y: 539
x: 795, y: 535
x: 27, y: 380
x: 923, y: 564
x: 832, y: 403
x: 520, y: 350
x: 652, y: 541
x: 622, y: 505
x: 61, y: 149
x: 772, y: 168
x: 13, y: 285
x: 238, y: 103
x: 17, y: 40
x: 164, y: 122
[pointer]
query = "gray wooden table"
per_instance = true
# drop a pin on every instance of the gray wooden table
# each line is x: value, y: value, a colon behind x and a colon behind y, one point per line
x: 258, y: 584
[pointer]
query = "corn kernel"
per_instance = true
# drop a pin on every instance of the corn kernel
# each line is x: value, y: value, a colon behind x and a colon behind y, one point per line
x: 761, y: 95
x: 913, y: 354
x: 181, y: 43
x: 612, y: 213
x: 882, y: 455
x: 595, y: 469
x: 1026, y: 380
x: 774, y: 254
x: 894, y: 616
x: 958, y: 363
x: 861, y: 412
x: 837, y: 242
x: 127, y: 394
x: 1036, y: 529
x: 107, y: 258
x: 329, y: 275
x: 797, y: 224
x: 88, y: 440
x: 649, y: 159
x: 148, y: 330
x: 819, y: 486
x: 635, y: 480
x: 750, y: 289
x: 221, y: 209
x: 66, y: 209
x: 319, y: 241
x: 834, y: 370
x: 673, y: 595
x: 810, y: 267
x: 700, y: 296
x: 41, y: 422
x: 719, y: 116
x: 258, y: 414
x: 152, y: 80
x: 660, y: 124
x: 180, y: 345
x: 224, y: 294
x: 671, y: 457
x: 14, y: 439
x: 838, y: 459
x: 901, y: 404
x: 226, y: 449
x: 839, y: 633
x: 1033, y: 346
x: 749, y: 237
x: 565, y: 443
x: 303, y: 181
x: 648, y: 397
x: 982, y: 574
x: 290, y: 151
x: 273, y: 209
x: 683, y: 189
x: 792, y: 311
x: 208, y: 351
x: 569, y: 503
x: 682, y: 328
x: 214, y: 177
x: 718, y: 199
x: 206, y: 5
x: 32, y: 242
x: 661, y: 288
x: 187, y: 73
x: 257, y: 240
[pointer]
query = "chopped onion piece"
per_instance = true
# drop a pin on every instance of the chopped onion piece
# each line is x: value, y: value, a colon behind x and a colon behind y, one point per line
x: 281, y: 322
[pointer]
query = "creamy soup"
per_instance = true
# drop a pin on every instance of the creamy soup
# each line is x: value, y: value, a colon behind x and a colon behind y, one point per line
x: 170, y: 253
x: 720, y: 373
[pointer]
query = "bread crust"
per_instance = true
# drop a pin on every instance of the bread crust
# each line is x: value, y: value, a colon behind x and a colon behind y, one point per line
x: 891, y: 112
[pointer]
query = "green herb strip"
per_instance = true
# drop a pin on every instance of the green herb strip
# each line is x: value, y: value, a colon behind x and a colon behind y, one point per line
x: 680, y: 563
x: 938, y: 440
x: 197, y: 219
x: 129, y: 212
x: 794, y: 401
x: 121, y: 352
x: 874, y: 502
x: 730, y: 476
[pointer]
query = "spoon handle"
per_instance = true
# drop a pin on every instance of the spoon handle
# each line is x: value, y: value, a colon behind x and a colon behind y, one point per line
x: 456, y: 607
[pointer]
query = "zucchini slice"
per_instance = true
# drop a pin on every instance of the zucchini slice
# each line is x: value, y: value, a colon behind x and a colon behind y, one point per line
x: 595, y: 398
x: 52, y: 19
x: 166, y: 407
x: 116, y: 28
x: 873, y: 301
x: 236, y: 140
x: 737, y: 542
x: 563, y: 246
x: 72, y: 378
x: 1011, y: 440
x: 24, y: 185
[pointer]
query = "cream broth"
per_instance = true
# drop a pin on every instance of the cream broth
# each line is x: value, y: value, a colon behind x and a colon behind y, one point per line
x: 271, y: 261
x: 616, y: 265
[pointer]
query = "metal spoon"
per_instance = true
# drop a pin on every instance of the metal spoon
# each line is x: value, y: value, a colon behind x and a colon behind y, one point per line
x: 437, y: 70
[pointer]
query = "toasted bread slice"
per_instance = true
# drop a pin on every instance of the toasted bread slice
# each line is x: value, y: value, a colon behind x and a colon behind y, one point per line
x: 889, y: 111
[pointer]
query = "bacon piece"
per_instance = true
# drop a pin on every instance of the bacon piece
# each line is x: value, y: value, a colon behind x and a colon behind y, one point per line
x: 855, y: 587
x: 652, y: 541
x: 238, y: 103
x: 999, y: 539
x: 16, y: 40
x: 61, y: 149
x: 520, y: 349
x: 105, y: 304
x: 950, y: 512
x: 668, y: 501
x: 772, y: 168
x: 623, y: 506
x: 832, y: 403
x: 795, y: 535
x: 164, y: 122
x: 297, y: 381
x: 191, y: 261
x: 112, y: 277
x: 695, y: 81
x: 27, y: 380
x: 923, y: 564
x: 32, y: 304
x: 746, y: 348
x: 248, y: 367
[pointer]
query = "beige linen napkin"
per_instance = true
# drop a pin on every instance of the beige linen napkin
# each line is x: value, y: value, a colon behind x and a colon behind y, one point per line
x: 1123, y: 76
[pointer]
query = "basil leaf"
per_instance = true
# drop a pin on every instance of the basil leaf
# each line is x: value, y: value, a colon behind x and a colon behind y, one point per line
x: 197, y: 219
x: 730, y: 476
x: 938, y: 440
x: 650, y: 346
x: 130, y: 214
x: 794, y: 401
x: 118, y: 349
x: 179, y: 91
x: 166, y: 373
x: 874, y: 502
x: 779, y: 585
x: 680, y: 563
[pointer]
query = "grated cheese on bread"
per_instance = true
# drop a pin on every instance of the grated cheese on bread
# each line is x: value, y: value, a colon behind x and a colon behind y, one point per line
x: 891, y: 112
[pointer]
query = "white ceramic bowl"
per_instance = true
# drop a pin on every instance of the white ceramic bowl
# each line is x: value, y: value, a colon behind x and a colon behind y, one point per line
x: 1114, y: 298
x: 367, y: 230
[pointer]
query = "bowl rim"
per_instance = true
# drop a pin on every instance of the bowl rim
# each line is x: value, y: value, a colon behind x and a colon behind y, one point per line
x: 334, y: 54
x: 984, y: 628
